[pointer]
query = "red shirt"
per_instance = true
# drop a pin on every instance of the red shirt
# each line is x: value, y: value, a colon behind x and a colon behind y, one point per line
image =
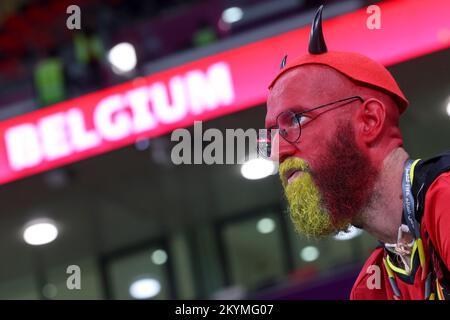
x: 436, y: 220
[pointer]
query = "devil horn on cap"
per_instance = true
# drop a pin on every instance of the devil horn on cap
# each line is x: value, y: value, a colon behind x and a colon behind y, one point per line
x: 283, y: 62
x: 316, y: 41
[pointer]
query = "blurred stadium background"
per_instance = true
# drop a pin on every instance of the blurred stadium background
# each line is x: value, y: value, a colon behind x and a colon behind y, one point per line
x: 136, y: 224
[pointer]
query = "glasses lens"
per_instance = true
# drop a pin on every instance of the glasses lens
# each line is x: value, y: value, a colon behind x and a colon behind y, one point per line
x: 289, y: 126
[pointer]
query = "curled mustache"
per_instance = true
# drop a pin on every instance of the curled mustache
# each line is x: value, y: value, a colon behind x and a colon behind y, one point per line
x: 292, y: 163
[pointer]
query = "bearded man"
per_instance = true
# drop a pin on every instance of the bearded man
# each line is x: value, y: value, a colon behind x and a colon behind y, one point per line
x: 334, y: 117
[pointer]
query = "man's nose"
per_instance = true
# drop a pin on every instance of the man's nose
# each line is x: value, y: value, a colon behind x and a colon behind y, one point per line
x: 281, y: 149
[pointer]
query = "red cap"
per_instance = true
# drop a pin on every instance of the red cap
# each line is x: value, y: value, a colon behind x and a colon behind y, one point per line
x: 355, y: 66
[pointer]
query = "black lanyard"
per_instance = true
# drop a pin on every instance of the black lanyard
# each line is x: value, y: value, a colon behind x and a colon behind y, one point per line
x: 408, y: 201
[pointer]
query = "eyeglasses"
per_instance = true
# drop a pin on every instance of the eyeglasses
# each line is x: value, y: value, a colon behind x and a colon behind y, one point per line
x: 289, y: 125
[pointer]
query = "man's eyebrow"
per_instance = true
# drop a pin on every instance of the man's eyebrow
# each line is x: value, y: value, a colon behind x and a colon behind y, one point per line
x: 298, y: 108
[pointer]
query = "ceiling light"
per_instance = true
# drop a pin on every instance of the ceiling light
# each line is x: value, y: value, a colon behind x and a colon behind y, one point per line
x: 232, y: 15
x: 159, y: 257
x: 145, y: 288
x: 122, y: 57
x: 309, y: 253
x: 40, y: 232
x: 50, y: 291
x: 265, y: 225
x: 257, y: 169
x: 142, y: 144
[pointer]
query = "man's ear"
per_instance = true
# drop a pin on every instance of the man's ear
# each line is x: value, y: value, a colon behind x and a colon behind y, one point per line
x: 371, y: 118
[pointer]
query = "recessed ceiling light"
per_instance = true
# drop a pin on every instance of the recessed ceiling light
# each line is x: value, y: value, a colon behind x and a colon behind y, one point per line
x: 265, y: 225
x: 142, y: 144
x: 122, y: 57
x: 40, y: 232
x: 257, y: 168
x: 50, y: 291
x: 232, y: 15
x: 159, y: 257
x: 145, y: 288
x: 309, y: 253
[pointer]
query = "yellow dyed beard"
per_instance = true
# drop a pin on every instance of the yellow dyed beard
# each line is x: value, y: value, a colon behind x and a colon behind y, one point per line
x: 306, y: 208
